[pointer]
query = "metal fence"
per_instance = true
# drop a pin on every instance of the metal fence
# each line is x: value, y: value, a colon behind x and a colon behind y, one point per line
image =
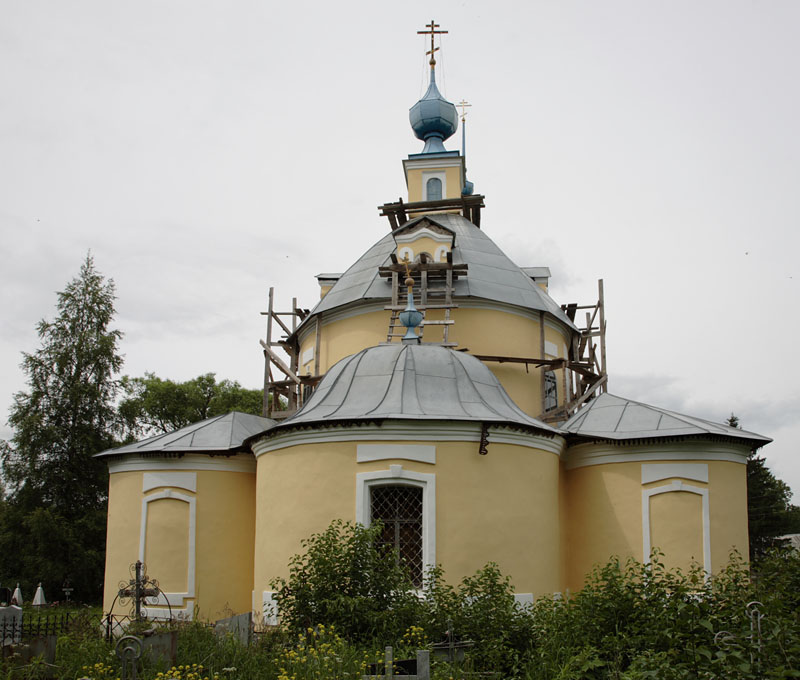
x: 15, y: 630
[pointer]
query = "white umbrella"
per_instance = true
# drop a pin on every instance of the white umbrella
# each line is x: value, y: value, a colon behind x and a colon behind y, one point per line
x: 16, y: 598
x: 38, y: 598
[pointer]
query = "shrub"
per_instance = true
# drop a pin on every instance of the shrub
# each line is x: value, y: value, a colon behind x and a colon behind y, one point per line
x: 481, y: 609
x: 347, y: 579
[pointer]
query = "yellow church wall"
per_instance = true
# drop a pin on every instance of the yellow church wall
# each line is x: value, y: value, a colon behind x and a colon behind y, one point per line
x: 676, y: 521
x: 452, y: 180
x: 343, y: 337
x: 217, y: 574
x: 604, y: 518
x: 483, y: 331
x: 167, y: 543
x: 424, y: 244
x: 563, y: 524
x: 500, y: 333
x: 122, y: 532
x: 225, y: 548
x: 502, y: 507
x: 606, y: 504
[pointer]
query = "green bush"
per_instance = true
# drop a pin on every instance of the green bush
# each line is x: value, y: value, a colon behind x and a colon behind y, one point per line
x: 347, y: 579
x: 346, y: 599
x: 480, y: 609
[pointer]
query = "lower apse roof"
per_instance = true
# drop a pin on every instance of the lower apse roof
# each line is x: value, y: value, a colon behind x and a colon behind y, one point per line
x: 610, y: 417
x: 411, y: 382
x: 224, y: 433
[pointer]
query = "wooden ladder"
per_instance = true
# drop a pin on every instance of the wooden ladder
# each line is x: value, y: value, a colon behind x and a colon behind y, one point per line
x: 433, y: 290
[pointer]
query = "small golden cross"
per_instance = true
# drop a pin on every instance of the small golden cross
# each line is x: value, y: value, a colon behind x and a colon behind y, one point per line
x: 463, y: 105
x: 432, y: 32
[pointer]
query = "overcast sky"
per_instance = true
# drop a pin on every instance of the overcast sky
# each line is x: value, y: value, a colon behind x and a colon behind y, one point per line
x: 205, y: 151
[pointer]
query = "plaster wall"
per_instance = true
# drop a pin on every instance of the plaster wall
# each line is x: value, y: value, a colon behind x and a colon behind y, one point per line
x: 219, y: 551
x: 607, y: 506
x: 425, y: 244
x: 502, y: 507
x: 452, y: 180
x: 483, y: 331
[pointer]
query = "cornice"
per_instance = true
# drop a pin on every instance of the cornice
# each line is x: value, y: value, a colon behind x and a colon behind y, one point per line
x: 242, y: 462
x: 412, y: 430
x: 601, y: 453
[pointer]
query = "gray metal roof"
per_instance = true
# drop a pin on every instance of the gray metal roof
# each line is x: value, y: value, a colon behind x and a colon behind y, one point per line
x: 221, y: 433
x: 616, y: 418
x: 417, y: 382
x: 491, y: 276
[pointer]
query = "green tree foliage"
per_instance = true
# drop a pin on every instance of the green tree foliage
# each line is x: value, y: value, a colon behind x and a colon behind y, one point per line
x: 769, y: 510
x: 52, y: 527
x: 152, y: 405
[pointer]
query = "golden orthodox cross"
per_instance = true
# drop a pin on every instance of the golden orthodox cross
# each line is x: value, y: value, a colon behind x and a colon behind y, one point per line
x: 463, y: 105
x: 432, y: 32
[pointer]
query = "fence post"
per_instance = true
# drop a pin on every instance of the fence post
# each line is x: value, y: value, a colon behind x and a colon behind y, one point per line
x: 389, y: 664
x: 423, y: 664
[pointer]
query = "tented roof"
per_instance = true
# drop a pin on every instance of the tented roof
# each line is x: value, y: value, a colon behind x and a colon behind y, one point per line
x: 617, y: 418
x: 221, y: 433
x: 411, y: 381
x: 491, y: 275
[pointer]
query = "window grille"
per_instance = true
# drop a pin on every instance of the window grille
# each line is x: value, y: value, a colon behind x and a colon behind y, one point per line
x: 434, y: 189
x: 399, y: 508
x: 550, y: 391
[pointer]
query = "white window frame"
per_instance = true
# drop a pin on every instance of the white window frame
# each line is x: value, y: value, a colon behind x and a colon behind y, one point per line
x: 430, y: 174
x: 397, y: 476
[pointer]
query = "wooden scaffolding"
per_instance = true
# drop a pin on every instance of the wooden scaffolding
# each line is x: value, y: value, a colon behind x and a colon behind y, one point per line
x: 284, y: 388
x: 400, y: 212
x: 433, y: 286
x: 583, y: 371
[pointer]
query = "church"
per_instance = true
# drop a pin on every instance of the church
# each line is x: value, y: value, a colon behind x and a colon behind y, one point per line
x: 437, y: 387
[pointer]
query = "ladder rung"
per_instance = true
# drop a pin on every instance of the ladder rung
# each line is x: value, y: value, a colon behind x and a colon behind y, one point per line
x: 446, y: 322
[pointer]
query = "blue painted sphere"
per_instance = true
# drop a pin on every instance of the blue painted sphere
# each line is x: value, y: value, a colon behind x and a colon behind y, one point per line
x: 433, y: 115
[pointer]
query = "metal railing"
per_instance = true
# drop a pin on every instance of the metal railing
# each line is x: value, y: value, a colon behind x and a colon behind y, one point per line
x: 15, y: 630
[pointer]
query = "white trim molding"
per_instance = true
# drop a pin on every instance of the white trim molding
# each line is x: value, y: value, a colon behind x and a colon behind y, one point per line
x: 421, y: 453
x: 184, y: 614
x: 269, y: 608
x: 677, y: 486
x: 240, y: 462
x: 176, y: 480
x: 655, y: 472
x: 433, y: 174
x: 600, y: 453
x: 397, y: 476
x: 173, y: 599
x: 523, y: 599
x: 409, y: 236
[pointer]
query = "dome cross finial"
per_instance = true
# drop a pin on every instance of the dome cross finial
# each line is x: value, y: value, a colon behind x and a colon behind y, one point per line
x: 432, y: 32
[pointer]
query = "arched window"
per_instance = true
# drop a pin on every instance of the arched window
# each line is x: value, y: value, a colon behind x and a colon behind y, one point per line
x: 434, y: 189
x: 399, y: 508
x: 550, y: 391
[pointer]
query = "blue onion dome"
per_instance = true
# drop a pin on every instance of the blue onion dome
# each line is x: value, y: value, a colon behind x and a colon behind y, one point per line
x: 433, y: 118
